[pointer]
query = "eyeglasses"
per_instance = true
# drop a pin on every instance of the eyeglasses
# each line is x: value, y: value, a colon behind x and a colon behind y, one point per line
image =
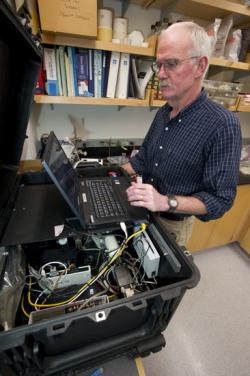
x: 170, y: 64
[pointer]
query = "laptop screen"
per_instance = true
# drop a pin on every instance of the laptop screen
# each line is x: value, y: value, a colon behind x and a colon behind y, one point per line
x: 62, y: 173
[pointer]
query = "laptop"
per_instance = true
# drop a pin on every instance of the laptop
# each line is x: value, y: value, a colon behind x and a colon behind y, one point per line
x: 98, y: 200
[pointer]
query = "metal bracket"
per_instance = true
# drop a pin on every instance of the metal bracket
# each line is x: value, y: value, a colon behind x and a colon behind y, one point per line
x: 120, y: 107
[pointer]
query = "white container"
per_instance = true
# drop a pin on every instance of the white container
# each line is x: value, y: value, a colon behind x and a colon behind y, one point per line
x: 104, y: 25
x: 120, y: 28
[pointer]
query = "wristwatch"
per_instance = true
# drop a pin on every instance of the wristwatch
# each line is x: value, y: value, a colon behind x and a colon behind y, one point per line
x: 172, y: 203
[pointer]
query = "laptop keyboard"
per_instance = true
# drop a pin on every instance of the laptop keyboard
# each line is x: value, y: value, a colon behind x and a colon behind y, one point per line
x: 103, y: 198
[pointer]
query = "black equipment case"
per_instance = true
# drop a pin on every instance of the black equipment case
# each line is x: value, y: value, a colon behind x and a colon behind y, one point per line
x: 125, y: 310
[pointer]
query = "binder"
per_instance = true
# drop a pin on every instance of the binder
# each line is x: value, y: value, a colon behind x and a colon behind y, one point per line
x: 82, y: 71
x: 98, y: 73
x: 91, y: 88
x: 67, y: 69
x: 58, y: 72
x: 113, y: 73
x: 63, y: 71
x: 123, y: 76
x: 71, y: 71
x: 74, y: 58
x: 51, y: 84
x: 40, y: 83
x: 105, y: 70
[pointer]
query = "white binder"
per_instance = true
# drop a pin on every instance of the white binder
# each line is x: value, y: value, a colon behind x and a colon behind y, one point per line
x: 123, y: 77
x: 113, y: 73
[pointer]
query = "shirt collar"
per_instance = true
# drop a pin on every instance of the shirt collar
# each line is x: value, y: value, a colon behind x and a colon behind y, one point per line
x: 198, y: 102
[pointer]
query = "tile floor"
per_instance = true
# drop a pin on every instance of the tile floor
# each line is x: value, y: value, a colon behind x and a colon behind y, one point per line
x: 209, y: 334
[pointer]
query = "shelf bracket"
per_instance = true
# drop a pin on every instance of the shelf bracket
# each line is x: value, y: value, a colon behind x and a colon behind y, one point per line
x: 52, y: 107
x: 120, y: 107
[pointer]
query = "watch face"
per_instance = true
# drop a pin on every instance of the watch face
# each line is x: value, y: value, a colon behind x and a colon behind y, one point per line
x: 172, y: 202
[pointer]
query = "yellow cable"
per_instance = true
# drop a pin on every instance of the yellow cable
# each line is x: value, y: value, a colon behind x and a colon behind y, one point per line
x: 118, y: 254
x: 23, y: 309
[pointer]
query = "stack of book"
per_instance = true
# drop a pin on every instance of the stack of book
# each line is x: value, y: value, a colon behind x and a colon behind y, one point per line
x: 71, y: 71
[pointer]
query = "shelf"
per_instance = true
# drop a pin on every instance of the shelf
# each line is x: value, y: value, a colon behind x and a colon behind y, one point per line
x: 129, y: 102
x: 242, y: 108
x: 238, y: 65
x: 209, y: 9
x: 61, y: 40
x: 160, y: 103
x: 157, y: 103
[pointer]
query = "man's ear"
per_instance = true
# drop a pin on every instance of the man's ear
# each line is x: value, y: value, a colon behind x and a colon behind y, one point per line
x: 202, y: 66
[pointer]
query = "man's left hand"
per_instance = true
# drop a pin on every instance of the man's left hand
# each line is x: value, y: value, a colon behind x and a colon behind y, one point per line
x: 145, y: 195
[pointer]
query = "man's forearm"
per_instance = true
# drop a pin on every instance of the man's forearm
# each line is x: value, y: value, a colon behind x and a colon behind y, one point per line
x: 192, y: 205
x: 128, y: 168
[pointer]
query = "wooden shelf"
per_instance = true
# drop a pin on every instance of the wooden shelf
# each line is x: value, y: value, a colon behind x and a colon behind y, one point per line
x: 157, y: 103
x: 129, y: 102
x: 209, y: 9
x: 242, y: 108
x: 238, y: 65
x: 56, y: 39
x: 160, y: 103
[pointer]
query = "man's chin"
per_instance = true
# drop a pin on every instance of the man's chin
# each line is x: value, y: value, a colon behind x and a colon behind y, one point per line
x: 167, y: 94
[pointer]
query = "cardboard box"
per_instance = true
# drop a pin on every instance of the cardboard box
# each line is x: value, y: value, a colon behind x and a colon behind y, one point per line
x: 74, y: 17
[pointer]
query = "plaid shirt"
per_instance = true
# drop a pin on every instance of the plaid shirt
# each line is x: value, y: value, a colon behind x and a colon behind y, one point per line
x: 197, y: 153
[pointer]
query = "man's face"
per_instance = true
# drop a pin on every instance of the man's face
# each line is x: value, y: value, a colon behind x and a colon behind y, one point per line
x: 178, y: 72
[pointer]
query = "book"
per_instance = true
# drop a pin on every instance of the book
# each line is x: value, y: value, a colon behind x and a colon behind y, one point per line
x: 97, y: 73
x: 82, y: 58
x: 123, y: 76
x: 113, y: 73
x: 49, y: 59
x: 63, y: 71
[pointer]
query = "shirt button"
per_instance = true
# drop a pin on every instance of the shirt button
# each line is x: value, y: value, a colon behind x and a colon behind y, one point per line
x: 166, y: 129
x: 161, y: 147
x: 179, y: 120
x: 151, y: 179
x: 156, y: 164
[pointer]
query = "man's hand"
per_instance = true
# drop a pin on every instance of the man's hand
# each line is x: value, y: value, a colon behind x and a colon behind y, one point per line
x: 145, y: 195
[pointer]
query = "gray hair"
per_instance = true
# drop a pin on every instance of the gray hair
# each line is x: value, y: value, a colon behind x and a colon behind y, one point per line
x: 200, y: 40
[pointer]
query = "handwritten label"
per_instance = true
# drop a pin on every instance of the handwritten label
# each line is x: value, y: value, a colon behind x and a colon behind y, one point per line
x: 71, y: 9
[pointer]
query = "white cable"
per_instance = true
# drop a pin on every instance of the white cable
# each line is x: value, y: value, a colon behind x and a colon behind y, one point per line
x: 39, y: 296
x: 124, y: 228
x: 42, y: 271
x: 78, y: 162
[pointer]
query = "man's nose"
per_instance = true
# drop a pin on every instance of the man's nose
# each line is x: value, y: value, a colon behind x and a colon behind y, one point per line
x: 162, y: 72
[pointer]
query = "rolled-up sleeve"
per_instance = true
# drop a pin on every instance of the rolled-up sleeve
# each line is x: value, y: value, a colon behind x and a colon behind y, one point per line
x: 221, y: 171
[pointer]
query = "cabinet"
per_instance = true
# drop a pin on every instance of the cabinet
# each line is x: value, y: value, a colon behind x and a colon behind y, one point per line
x: 206, y: 9
x: 233, y: 226
x: 245, y: 241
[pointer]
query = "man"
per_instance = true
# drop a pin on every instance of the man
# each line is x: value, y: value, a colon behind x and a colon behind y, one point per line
x: 189, y: 159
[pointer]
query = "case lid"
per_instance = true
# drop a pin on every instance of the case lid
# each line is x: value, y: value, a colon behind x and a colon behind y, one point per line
x: 20, y: 60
